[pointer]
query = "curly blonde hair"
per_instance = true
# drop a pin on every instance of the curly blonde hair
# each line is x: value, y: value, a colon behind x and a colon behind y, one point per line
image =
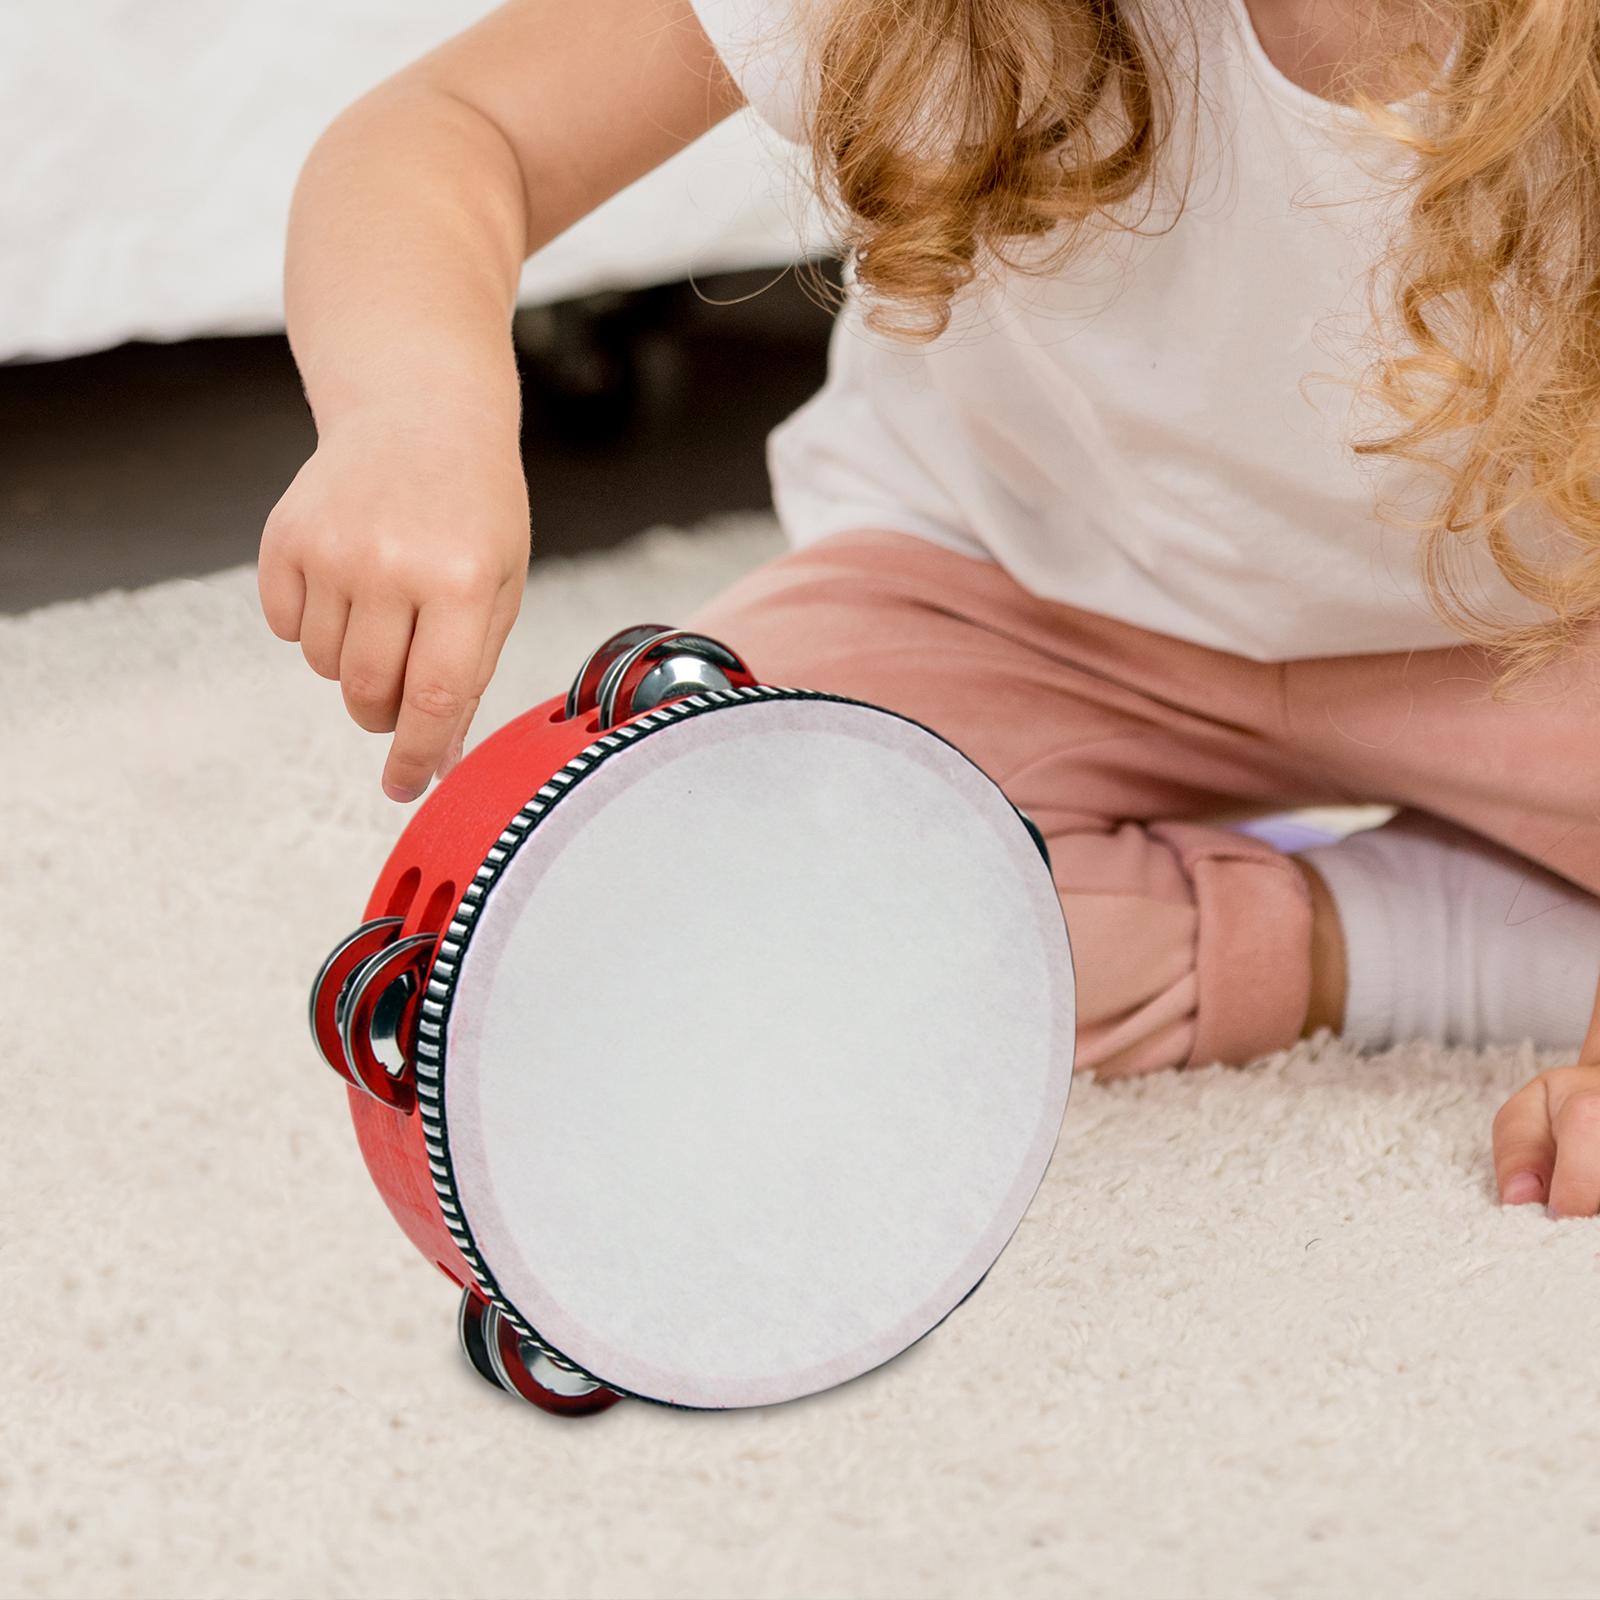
x: 954, y: 137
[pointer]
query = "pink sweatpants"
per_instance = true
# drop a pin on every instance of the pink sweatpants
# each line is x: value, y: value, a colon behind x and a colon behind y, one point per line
x: 1191, y: 941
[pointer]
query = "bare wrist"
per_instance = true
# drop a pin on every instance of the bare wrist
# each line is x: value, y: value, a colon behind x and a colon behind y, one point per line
x: 487, y: 414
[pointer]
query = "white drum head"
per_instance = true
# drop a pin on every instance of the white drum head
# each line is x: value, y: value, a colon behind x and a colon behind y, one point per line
x: 756, y: 1051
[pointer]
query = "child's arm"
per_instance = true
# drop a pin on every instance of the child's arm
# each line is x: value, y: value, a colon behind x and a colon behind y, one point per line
x: 398, y: 555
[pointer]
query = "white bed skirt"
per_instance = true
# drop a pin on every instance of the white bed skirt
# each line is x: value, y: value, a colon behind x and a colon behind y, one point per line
x: 151, y: 151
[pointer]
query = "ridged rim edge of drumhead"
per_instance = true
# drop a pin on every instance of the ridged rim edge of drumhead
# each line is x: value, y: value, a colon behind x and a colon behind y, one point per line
x: 434, y: 1012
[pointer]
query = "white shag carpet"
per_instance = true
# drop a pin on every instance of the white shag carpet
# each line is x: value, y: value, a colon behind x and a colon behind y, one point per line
x: 1264, y: 1332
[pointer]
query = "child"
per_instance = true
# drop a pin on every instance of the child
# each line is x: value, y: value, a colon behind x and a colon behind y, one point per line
x: 1211, y: 427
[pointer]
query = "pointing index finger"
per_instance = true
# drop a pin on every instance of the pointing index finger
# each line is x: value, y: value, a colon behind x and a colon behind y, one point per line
x: 441, y: 680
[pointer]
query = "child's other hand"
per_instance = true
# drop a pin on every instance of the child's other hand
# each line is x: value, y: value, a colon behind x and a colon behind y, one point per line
x: 1547, y: 1143
x: 397, y: 558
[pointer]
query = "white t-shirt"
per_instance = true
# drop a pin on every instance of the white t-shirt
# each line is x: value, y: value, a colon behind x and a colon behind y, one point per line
x: 1157, y: 431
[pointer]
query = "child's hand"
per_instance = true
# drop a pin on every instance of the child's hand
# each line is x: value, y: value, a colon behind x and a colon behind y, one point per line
x: 1547, y: 1143
x: 397, y: 558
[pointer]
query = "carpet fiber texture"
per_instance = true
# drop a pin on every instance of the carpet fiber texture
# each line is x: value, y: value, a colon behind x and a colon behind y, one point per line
x: 1264, y: 1331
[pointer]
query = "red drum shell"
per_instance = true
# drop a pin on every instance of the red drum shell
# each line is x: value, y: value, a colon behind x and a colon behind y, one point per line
x: 444, y: 844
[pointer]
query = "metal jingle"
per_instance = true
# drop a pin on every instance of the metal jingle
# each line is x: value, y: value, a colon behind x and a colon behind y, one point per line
x: 606, y: 691
x: 584, y: 695
x: 346, y: 957
x: 469, y: 1330
x: 379, y: 989
x: 383, y: 1033
x: 682, y: 672
x: 674, y: 663
x: 671, y: 678
x: 548, y: 1375
x: 490, y: 1327
x: 522, y: 1369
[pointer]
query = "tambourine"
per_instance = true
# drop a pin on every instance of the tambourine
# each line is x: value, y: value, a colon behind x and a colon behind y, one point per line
x: 712, y: 1036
